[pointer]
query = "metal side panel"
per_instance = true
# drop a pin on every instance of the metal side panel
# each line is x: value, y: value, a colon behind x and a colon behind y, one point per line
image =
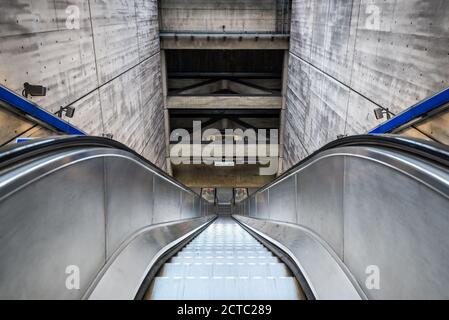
x: 188, y: 206
x: 122, y: 277
x: 61, y: 212
x: 320, y: 200
x: 46, y: 226
x: 126, y: 182
x: 197, y: 206
x: 262, y: 205
x: 167, y: 201
x: 247, y: 207
x: 383, y: 212
x: 252, y: 207
x: 400, y: 227
x: 326, y: 276
x: 283, y: 200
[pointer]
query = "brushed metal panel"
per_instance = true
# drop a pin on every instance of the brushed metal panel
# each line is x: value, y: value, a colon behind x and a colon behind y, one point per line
x: 243, y: 205
x: 123, y: 277
x: 129, y: 200
x: 197, y: 206
x: 202, y: 207
x: 55, y: 222
x: 205, y: 208
x: 252, y: 207
x: 167, y: 201
x: 320, y: 200
x: 238, y: 208
x: 211, y: 209
x: 187, y: 206
x: 262, y: 205
x: 399, y: 225
x: 242, y: 208
x: 374, y: 207
x: 283, y: 201
x: 52, y: 215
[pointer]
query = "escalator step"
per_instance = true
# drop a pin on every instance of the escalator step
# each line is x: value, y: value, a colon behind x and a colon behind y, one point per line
x: 230, y: 288
x: 224, y: 252
x: 217, y: 254
x: 224, y: 269
x: 224, y: 259
x: 224, y: 247
x: 224, y: 262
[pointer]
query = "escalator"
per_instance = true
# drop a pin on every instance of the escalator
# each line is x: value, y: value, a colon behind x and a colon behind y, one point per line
x: 95, y: 220
x: 224, y: 262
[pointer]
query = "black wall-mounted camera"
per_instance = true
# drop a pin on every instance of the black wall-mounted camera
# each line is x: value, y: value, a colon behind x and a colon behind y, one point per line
x: 380, y: 113
x: 33, y: 90
x: 68, y: 111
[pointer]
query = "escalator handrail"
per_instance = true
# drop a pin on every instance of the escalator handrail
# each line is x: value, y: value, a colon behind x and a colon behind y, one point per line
x: 15, y: 154
x: 431, y: 151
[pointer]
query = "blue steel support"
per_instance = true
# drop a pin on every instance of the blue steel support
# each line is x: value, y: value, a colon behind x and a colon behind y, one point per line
x: 418, y: 110
x: 32, y: 109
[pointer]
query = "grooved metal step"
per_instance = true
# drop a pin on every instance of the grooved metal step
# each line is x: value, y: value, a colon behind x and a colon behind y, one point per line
x: 224, y: 262
x: 224, y: 288
x: 223, y: 252
x: 234, y: 259
x: 240, y: 254
x: 223, y: 247
x: 224, y: 269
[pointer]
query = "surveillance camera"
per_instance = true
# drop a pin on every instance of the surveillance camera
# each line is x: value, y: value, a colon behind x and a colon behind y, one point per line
x: 69, y: 112
x: 379, y: 113
x: 33, y: 90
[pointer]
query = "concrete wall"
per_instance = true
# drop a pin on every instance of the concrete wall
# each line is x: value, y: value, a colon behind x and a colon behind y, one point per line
x: 204, y: 176
x: 348, y: 57
x: 108, y: 68
x: 212, y: 15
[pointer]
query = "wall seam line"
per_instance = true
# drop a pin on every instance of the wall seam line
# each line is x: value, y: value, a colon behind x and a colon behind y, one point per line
x: 114, y: 78
x: 96, y: 70
x: 353, y: 59
x: 338, y: 81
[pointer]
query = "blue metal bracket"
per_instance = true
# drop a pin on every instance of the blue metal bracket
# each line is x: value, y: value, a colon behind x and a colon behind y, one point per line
x: 20, y: 140
x: 32, y: 109
x: 418, y: 110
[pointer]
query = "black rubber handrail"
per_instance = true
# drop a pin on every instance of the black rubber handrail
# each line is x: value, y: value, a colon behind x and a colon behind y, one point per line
x: 14, y: 154
x: 431, y: 151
